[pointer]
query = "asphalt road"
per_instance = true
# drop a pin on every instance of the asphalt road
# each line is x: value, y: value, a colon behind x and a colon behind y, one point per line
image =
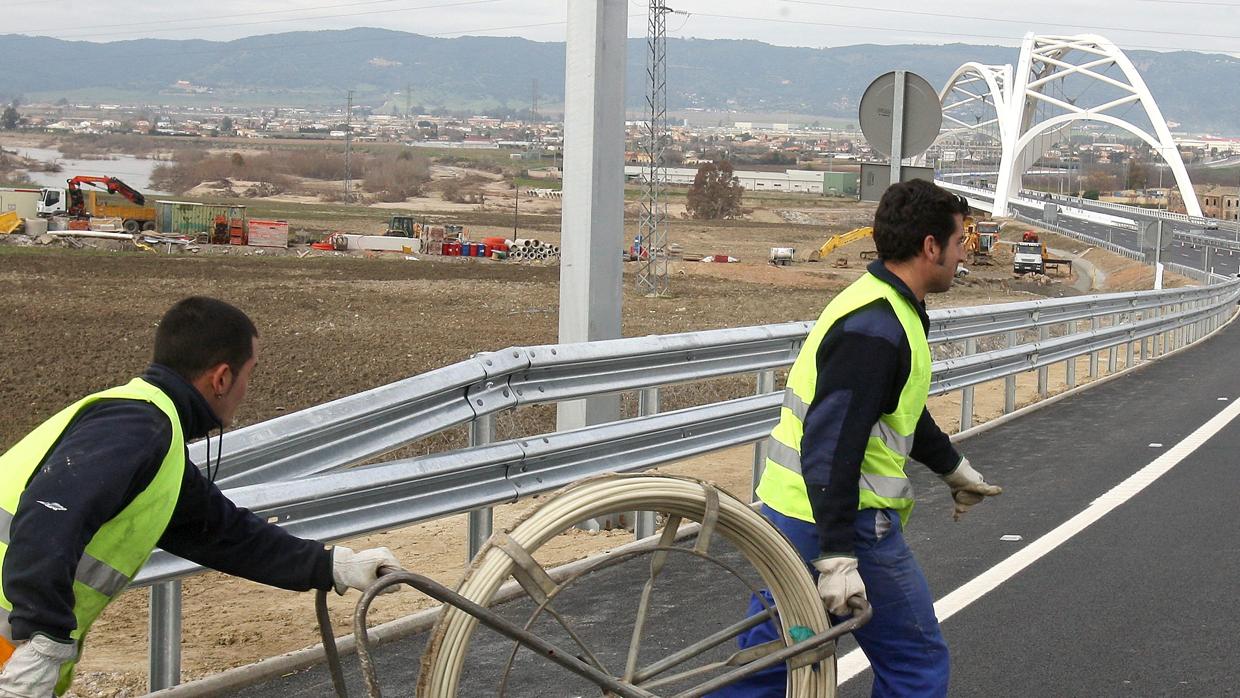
x: 1220, y: 261
x: 1140, y: 603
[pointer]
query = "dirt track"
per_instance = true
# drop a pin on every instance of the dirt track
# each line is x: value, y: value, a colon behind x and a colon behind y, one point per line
x: 78, y: 321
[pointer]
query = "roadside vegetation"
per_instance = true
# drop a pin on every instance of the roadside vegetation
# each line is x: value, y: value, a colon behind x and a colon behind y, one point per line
x: 388, y: 176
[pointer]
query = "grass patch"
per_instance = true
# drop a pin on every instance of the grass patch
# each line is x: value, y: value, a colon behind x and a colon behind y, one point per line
x: 532, y: 183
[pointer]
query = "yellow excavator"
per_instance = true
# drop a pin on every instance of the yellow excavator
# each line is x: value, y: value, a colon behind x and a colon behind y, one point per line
x: 837, y: 241
x: 979, y: 239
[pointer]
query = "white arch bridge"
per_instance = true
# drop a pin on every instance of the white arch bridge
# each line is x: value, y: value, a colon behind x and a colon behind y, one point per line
x: 1024, y: 110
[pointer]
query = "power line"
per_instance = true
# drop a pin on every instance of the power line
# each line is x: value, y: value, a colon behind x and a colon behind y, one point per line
x: 1193, y: 2
x: 246, y: 14
x: 227, y: 45
x: 1009, y: 21
x: 279, y: 20
x: 974, y: 35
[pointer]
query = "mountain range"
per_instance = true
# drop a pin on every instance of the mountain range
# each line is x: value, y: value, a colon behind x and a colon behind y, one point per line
x: 499, y: 73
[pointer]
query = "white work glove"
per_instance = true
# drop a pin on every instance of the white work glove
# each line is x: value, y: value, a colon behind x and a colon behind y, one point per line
x: 34, y: 668
x: 968, y: 488
x: 838, y: 581
x: 352, y: 570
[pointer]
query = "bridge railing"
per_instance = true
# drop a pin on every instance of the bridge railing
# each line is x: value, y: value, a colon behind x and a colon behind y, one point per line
x: 1207, y: 227
x: 296, y: 469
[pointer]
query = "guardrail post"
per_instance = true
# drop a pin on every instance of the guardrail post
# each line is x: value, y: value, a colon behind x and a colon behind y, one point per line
x: 1159, y: 345
x: 1129, y: 349
x: 481, y: 521
x: 647, y: 405
x: 1145, y: 353
x: 1169, y: 342
x: 1009, y: 382
x: 766, y: 384
x: 165, y: 635
x: 1173, y: 334
x: 1094, y: 324
x: 1070, y: 371
x: 1181, y: 332
x: 966, y: 394
x: 1044, y: 333
x: 1168, y: 335
x: 1113, y: 349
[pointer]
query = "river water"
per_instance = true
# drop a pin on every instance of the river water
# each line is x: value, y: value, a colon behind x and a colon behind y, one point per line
x: 133, y: 171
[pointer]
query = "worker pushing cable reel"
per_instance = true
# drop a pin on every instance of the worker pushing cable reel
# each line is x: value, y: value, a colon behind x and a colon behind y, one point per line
x: 806, y: 646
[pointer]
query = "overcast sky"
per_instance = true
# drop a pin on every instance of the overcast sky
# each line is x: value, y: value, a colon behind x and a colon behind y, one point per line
x: 1205, y: 25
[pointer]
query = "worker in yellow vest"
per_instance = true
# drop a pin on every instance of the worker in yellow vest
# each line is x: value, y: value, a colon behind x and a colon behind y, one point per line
x: 87, y: 496
x: 854, y: 414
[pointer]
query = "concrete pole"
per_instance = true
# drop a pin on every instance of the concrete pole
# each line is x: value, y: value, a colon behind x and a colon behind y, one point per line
x: 592, y: 222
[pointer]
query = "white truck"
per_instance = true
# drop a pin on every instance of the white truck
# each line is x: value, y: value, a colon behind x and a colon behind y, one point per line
x: 135, y: 216
x: 1027, y: 258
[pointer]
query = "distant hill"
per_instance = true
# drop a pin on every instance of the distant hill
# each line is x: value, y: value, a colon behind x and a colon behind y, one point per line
x: 474, y: 73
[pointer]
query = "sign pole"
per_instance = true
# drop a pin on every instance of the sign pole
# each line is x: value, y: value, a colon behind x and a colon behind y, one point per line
x: 897, y: 127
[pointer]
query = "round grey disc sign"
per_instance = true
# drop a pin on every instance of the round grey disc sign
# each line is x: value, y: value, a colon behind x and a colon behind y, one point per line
x: 923, y: 114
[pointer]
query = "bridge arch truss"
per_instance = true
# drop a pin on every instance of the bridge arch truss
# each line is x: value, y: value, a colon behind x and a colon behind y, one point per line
x: 1032, y: 107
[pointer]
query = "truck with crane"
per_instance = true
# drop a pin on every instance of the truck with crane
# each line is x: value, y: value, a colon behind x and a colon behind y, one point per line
x: 1030, y: 256
x: 71, y: 201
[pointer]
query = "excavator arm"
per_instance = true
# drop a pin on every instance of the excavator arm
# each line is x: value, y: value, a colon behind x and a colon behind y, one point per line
x: 837, y: 241
x: 77, y: 205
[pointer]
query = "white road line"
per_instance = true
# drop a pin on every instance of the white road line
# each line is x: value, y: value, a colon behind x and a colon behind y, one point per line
x: 853, y: 663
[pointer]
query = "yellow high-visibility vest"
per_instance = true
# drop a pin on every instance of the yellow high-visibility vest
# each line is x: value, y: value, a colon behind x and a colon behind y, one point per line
x: 122, y: 545
x: 883, y: 484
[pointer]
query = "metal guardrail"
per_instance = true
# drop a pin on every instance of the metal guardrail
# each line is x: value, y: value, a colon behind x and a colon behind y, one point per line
x: 360, y: 427
x: 1199, y: 275
x: 280, y: 469
x: 1208, y: 241
x: 357, y: 428
x: 562, y: 372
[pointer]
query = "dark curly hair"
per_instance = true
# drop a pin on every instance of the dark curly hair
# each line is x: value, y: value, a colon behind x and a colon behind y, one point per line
x: 908, y: 212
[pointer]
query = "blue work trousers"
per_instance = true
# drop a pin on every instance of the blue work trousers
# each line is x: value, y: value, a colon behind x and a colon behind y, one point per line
x: 902, y: 641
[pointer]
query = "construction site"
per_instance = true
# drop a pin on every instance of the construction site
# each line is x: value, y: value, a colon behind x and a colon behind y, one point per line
x: 354, y: 296
x: 337, y: 322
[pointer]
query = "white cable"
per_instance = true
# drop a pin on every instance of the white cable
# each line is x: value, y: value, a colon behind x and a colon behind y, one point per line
x: 763, y: 546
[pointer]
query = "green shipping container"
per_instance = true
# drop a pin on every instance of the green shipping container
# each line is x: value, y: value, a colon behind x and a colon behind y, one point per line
x: 185, y: 218
x: 839, y: 183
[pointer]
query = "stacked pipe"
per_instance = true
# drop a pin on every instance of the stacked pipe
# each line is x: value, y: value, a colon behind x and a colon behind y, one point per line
x: 527, y: 249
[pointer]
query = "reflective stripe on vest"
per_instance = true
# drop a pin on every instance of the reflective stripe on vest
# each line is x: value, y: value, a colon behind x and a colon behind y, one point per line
x: 121, y: 546
x: 790, y: 458
x: 882, y: 483
x: 96, y: 574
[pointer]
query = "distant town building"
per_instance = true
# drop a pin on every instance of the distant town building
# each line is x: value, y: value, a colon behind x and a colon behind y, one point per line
x: 800, y: 181
x: 1219, y: 201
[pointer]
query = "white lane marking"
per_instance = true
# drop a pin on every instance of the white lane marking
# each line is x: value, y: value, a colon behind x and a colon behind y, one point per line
x: 853, y: 663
